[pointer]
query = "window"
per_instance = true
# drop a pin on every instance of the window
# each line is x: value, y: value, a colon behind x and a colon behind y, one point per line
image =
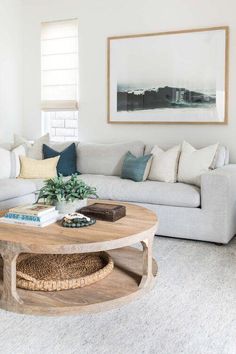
x: 59, y: 79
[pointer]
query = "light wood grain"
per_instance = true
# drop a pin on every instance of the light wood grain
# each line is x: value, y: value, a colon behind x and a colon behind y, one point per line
x: 147, y: 263
x: 138, y: 223
x: 119, y: 288
x: 9, y: 294
x: 133, y: 274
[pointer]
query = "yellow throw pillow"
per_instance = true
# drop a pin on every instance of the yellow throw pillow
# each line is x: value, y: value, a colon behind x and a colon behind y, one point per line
x: 44, y: 169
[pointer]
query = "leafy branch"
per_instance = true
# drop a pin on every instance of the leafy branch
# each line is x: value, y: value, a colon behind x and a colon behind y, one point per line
x: 57, y: 190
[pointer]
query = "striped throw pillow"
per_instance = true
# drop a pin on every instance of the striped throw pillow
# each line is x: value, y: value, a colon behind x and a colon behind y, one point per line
x: 10, y: 162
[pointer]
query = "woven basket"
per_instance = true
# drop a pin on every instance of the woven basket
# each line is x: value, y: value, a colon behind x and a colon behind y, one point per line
x: 54, y: 272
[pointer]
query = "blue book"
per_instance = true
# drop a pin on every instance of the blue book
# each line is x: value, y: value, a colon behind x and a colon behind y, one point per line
x: 22, y: 217
x: 31, y: 218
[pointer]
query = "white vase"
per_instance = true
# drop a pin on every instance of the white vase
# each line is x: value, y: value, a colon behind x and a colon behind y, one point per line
x: 70, y: 207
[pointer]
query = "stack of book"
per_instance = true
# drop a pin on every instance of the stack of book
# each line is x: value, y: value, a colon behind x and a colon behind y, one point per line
x: 38, y: 215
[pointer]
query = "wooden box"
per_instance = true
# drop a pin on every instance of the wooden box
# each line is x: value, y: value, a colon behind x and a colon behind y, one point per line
x: 106, y: 212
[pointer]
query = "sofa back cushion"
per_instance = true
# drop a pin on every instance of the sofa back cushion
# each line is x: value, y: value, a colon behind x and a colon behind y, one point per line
x: 34, y: 149
x: 6, y: 146
x: 221, y: 158
x: 105, y: 159
x: 61, y: 145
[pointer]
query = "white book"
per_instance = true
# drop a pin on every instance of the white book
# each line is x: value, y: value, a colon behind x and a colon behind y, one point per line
x: 33, y: 209
x: 31, y: 218
x: 28, y: 223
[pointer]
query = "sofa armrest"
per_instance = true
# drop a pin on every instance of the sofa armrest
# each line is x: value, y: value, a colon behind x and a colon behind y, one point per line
x: 218, y: 201
x: 218, y: 189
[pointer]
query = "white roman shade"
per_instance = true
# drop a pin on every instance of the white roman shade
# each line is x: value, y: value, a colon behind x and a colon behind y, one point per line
x: 59, y: 65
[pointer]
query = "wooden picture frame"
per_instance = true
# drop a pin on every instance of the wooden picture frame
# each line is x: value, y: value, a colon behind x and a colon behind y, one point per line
x: 196, y: 90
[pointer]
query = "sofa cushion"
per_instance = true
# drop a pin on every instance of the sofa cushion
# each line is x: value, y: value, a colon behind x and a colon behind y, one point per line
x: 14, y: 188
x: 221, y: 157
x: 149, y: 192
x: 105, y: 159
x: 12, y: 203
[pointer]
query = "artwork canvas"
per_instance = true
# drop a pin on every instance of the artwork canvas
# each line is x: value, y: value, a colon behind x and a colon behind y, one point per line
x: 171, y: 77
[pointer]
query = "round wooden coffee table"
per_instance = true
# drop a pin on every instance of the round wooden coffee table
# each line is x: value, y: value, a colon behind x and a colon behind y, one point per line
x: 133, y: 275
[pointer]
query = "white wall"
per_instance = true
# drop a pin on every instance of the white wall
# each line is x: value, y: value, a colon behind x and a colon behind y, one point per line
x: 11, y: 104
x: 103, y: 18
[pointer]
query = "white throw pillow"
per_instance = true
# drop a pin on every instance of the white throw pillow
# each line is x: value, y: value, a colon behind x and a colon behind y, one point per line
x: 164, y: 164
x: 193, y: 163
x: 34, y: 150
x: 20, y: 140
x: 5, y: 158
x: 15, y: 160
x: 10, y: 162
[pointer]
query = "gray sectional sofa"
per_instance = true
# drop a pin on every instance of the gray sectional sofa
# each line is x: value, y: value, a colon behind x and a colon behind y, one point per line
x: 207, y: 213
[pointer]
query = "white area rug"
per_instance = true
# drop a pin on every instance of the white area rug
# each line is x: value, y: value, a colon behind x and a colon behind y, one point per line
x: 192, y: 310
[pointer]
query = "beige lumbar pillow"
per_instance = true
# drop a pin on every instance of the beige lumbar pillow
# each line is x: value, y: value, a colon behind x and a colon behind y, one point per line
x: 193, y: 163
x: 164, y: 164
x: 44, y: 169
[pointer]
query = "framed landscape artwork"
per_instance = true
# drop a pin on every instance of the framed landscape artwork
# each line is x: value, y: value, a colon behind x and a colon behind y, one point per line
x: 169, y: 77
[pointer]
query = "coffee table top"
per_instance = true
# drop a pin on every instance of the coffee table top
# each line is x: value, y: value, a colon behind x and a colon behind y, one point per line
x: 138, y: 224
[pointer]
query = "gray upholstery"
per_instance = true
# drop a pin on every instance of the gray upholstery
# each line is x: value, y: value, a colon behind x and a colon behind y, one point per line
x: 58, y: 146
x: 7, y: 146
x: 14, y: 188
x: 184, y: 211
x: 215, y: 221
x: 175, y: 194
x: 113, y: 187
x: 11, y: 203
x: 38, y: 183
x: 222, y: 157
x: 105, y: 159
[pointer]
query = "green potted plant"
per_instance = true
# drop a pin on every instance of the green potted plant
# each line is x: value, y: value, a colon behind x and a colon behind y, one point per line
x: 67, y: 195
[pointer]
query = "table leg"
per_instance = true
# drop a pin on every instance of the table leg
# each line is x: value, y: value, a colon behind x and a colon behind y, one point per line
x: 147, y: 263
x: 9, y: 293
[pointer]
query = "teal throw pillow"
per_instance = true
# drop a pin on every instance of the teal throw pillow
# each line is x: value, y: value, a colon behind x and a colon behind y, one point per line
x: 136, y: 168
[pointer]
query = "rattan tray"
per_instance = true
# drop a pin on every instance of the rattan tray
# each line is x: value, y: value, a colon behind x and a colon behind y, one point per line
x: 53, y: 272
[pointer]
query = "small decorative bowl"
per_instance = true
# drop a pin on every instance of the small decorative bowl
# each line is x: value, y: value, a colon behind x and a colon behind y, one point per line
x: 76, y: 220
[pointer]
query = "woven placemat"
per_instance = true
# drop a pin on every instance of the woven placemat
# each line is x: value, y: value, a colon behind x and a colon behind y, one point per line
x: 54, y: 272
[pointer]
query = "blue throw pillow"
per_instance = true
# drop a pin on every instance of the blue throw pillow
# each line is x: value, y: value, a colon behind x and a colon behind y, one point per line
x: 67, y: 162
x: 136, y: 168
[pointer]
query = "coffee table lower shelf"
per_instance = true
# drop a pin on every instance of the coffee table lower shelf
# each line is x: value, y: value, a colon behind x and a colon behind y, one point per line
x: 126, y: 282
